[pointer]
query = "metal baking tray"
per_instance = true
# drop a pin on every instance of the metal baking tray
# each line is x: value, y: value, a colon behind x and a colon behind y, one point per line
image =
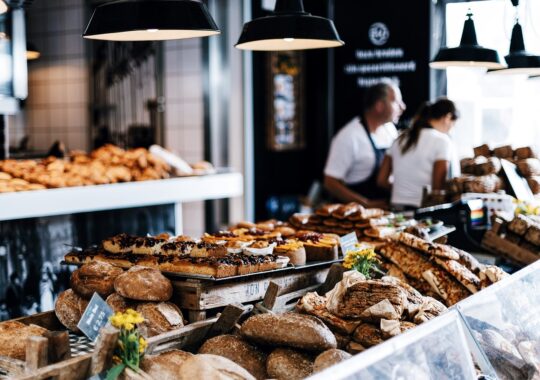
x: 288, y: 268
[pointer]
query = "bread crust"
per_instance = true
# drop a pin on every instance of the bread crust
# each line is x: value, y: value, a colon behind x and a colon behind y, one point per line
x: 289, y: 364
x: 289, y: 329
x: 159, y: 318
x: 69, y: 308
x: 239, y: 351
x: 118, y: 303
x: 96, y: 277
x: 13, y: 336
x: 166, y: 365
x: 143, y: 284
x: 329, y: 358
x: 208, y: 366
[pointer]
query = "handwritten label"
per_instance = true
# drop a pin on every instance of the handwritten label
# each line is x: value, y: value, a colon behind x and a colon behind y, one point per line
x: 95, y: 317
x: 347, y: 242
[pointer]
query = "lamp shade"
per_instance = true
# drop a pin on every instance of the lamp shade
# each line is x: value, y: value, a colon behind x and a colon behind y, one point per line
x: 150, y: 20
x: 468, y: 53
x: 3, y: 7
x: 518, y: 59
x: 289, y: 28
x: 32, y: 52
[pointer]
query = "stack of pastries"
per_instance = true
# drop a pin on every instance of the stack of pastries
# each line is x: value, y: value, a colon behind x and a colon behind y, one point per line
x: 223, y: 254
x: 140, y: 288
x: 108, y: 164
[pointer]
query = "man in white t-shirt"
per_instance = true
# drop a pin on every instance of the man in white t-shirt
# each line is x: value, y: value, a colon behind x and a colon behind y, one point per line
x: 357, y: 151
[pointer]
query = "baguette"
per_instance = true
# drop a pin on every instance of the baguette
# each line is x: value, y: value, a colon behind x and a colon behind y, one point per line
x: 289, y: 329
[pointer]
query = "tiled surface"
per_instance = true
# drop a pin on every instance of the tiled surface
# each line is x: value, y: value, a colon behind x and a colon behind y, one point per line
x: 57, y: 104
x: 184, y: 114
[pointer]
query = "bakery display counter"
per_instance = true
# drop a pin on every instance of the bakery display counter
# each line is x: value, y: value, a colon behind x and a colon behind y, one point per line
x: 62, y: 201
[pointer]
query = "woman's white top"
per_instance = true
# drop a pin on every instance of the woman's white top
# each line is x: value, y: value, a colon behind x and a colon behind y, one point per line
x: 414, y: 169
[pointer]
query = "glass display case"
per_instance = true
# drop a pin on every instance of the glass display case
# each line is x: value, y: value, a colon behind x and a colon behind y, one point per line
x: 498, y: 329
x: 504, y: 320
x: 434, y: 350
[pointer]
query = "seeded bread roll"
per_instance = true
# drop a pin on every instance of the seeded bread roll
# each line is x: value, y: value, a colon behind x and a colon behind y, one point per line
x: 13, y: 337
x: 96, y: 276
x: 239, y: 351
x: 143, y: 284
x: 166, y: 365
x: 159, y: 318
x: 207, y: 366
x: 69, y: 309
x: 289, y: 329
x: 119, y: 303
x: 288, y: 364
x: 329, y: 358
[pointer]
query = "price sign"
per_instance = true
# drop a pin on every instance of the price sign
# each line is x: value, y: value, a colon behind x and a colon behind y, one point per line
x: 347, y: 242
x: 95, y: 317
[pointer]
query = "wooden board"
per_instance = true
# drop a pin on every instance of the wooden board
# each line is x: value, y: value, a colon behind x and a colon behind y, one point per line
x: 511, y: 251
x: 204, y: 295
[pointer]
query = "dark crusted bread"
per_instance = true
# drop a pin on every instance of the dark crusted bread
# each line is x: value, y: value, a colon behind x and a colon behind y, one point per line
x: 96, y: 276
x: 329, y: 358
x: 289, y: 364
x: 239, y: 351
x: 143, y: 284
x: 69, y: 309
x: 119, y: 303
x: 289, y: 329
x: 159, y: 318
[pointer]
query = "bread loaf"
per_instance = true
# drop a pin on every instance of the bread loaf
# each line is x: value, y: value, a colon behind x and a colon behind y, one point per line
x: 533, y: 235
x: 239, y: 351
x: 13, y: 337
x: 504, y: 151
x: 534, y: 184
x: 159, y: 318
x: 524, y: 152
x: 69, y: 308
x: 289, y: 329
x: 529, y: 167
x: 482, y: 150
x: 143, y: 284
x: 207, y: 366
x: 166, y: 365
x: 288, y: 364
x: 118, y: 303
x: 367, y: 335
x: 329, y: 358
x: 520, y: 224
x: 96, y: 276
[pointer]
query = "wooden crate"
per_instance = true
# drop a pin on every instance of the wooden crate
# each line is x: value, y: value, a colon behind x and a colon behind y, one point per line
x: 199, y: 296
x: 37, y: 366
x: 513, y: 252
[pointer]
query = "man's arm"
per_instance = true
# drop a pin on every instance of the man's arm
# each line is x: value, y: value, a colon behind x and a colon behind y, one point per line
x: 383, y: 178
x: 340, y: 191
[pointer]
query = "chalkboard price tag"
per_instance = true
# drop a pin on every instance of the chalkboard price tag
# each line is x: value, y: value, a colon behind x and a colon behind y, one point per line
x: 95, y: 317
x: 347, y: 242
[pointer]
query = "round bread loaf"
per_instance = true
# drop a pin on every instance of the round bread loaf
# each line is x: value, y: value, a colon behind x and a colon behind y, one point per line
x: 288, y: 364
x: 289, y: 329
x: 166, y: 365
x: 97, y: 276
x: 239, y: 351
x: 329, y: 358
x: 159, y: 318
x: 69, y: 309
x: 13, y: 337
x: 118, y: 303
x: 143, y: 284
x: 207, y: 366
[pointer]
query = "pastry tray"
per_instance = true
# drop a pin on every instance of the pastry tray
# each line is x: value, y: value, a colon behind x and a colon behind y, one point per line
x: 289, y: 268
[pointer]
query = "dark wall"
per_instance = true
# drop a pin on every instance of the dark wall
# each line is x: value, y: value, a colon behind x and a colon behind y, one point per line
x: 383, y: 38
x: 291, y: 172
x: 331, y: 95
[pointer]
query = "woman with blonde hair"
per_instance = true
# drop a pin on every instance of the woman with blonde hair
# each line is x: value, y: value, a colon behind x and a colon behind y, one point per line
x: 421, y: 156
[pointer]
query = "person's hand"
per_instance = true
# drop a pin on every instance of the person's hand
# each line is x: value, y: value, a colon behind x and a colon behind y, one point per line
x: 378, y: 203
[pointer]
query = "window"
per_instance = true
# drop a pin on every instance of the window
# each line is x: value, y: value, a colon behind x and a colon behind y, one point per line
x: 495, y: 109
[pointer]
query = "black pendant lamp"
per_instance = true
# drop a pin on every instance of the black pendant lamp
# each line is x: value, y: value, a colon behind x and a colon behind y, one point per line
x: 518, y: 59
x: 468, y: 53
x: 150, y: 20
x: 289, y: 28
x: 3, y: 7
x: 31, y: 51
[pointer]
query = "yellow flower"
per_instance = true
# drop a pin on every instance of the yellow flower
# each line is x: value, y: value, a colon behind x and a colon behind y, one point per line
x: 129, y: 326
x: 142, y: 345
